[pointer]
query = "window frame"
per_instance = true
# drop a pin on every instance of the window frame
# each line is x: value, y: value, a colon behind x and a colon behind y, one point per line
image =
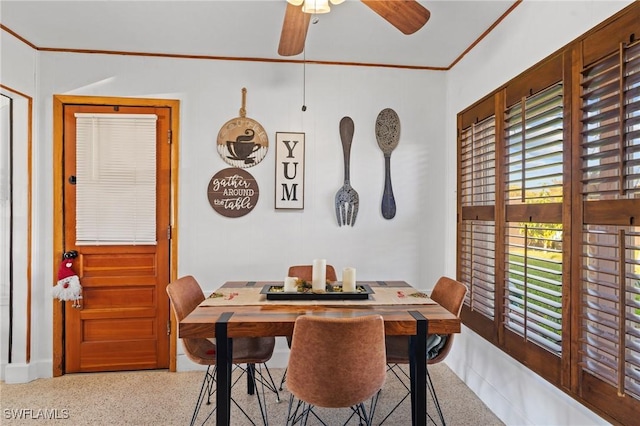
x: 565, y: 66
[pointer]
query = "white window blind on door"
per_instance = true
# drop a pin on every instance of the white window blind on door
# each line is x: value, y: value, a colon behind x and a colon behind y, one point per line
x: 116, y: 179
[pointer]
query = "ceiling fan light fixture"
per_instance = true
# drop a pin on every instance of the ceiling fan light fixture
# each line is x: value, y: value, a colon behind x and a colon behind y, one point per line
x: 316, y: 6
x: 336, y: 1
x: 296, y: 2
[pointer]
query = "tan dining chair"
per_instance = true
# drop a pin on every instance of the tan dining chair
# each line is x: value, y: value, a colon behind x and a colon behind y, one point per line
x: 328, y: 367
x: 305, y: 272
x: 449, y: 294
x: 185, y: 295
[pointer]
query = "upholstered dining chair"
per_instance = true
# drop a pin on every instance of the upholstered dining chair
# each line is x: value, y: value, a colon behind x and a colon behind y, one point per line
x: 185, y: 295
x: 449, y: 294
x: 305, y: 272
x: 329, y: 368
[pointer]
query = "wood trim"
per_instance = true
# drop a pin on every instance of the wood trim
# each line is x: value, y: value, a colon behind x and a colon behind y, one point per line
x: 220, y: 58
x: 484, y: 34
x: 535, y: 79
x: 543, y: 362
x: 58, y: 226
x: 480, y: 324
x: 500, y: 214
x: 458, y: 198
x: 479, y: 111
x: 478, y: 213
x: 632, y: 10
x: 292, y: 61
x: 603, y: 399
x: 537, y: 213
x: 567, y: 216
x: 605, y: 39
x: 59, y: 102
x: 29, y: 221
x: 244, y: 59
x: 29, y: 212
x: 18, y: 36
x: 175, y: 163
x: 623, y: 212
x: 576, y: 222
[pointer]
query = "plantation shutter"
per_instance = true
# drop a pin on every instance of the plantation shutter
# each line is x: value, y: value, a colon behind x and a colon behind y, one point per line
x: 533, y: 230
x: 610, y: 314
x: 534, y: 148
x: 477, y: 230
x: 116, y: 179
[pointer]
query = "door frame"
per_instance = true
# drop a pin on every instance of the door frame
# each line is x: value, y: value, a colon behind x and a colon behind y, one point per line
x: 59, y: 102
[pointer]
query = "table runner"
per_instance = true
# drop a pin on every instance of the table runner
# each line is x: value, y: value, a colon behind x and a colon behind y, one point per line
x: 250, y: 296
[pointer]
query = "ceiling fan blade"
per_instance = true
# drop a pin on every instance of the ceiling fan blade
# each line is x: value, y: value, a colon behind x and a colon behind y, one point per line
x: 406, y: 15
x: 294, y: 31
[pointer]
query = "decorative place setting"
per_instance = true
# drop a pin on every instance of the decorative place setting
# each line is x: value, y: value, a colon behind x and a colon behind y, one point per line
x: 319, y: 288
x: 333, y: 291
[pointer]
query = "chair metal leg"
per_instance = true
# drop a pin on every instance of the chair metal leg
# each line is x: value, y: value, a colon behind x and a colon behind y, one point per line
x: 365, y: 417
x: 284, y: 377
x: 265, y: 379
x: 255, y: 377
x: 432, y: 390
x: 271, y: 384
x: 373, y: 406
x: 402, y: 376
x: 251, y: 374
x: 291, y: 416
x: 299, y: 414
x: 262, y: 400
x: 292, y: 413
x: 207, y: 386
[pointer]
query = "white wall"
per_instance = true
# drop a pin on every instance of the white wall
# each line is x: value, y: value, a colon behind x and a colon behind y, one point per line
x: 262, y: 244
x: 18, y: 66
x: 531, y: 32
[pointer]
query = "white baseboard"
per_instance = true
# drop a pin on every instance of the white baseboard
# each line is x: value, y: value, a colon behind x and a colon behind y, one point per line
x: 24, y: 373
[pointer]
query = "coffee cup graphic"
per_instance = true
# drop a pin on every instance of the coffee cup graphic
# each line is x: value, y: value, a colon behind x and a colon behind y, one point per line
x: 243, y: 147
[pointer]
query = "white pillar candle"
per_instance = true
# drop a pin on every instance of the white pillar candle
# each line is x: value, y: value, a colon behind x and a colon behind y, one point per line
x: 319, y: 275
x: 291, y: 284
x: 349, y: 280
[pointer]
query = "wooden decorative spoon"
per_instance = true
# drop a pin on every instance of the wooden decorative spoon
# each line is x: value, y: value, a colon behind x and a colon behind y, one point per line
x: 388, y: 136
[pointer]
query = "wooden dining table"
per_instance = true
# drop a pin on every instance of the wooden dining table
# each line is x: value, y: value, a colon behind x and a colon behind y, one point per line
x: 241, y: 309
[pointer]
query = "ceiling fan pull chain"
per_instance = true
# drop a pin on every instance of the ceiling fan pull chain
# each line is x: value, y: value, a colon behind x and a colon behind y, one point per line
x: 304, y: 80
x: 243, y: 109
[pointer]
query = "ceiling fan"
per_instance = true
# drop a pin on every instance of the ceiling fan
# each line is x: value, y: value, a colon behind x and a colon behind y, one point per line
x: 406, y: 15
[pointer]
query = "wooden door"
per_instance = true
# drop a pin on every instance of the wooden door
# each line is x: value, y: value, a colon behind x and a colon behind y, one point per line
x: 123, y: 321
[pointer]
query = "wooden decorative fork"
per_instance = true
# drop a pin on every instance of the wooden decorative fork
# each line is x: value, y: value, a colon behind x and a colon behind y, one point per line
x: 346, y: 198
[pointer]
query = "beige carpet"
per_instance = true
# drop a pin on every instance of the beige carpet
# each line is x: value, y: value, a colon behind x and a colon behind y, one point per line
x: 163, y: 398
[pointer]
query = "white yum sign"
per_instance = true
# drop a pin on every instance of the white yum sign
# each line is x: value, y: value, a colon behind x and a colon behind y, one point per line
x: 289, y: 188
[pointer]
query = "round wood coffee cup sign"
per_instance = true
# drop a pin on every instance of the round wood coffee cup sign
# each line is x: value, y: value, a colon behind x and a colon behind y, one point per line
x: 242, y: 141
x: 233, y: 192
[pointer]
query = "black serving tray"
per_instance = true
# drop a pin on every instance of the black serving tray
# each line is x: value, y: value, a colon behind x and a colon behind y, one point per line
x: 362, y: 294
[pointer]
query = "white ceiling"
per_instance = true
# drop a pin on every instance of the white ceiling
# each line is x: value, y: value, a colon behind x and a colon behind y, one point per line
x: 351, y: 32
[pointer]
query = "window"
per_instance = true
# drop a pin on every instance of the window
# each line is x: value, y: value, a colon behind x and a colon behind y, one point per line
x: 610, y: 266
x: 549, y: 217
x: 533, y: 237
x: 478, y: 168
x: 116, y: 179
